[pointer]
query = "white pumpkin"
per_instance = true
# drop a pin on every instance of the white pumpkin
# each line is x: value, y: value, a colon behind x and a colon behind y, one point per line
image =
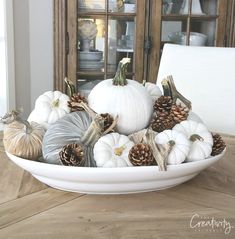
x: 49, y: 107
x: 112, y: 151
x: 153, y: 90
x: 201, y: 139
x: 126, y: 98
x: 179, y: 142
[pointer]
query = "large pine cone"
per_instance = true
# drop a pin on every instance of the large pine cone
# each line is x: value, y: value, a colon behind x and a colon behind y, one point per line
x: 108, y: 120
x: 72, y: 155
x: 141, y: 155
x: 218, y: 145
x: 163, y: 103
x: 162, y: 121
x: 76, y: 98
x: 179, y: 113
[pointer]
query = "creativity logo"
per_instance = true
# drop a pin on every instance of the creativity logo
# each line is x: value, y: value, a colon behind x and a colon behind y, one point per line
x: 199, y: 223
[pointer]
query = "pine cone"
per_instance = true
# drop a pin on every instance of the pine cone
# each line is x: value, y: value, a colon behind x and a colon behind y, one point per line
x: 162, y: 121
x: 179, y: 113
x: 72, y: 155
x: 163, y: 103
x: 76, y: 98
x: 108, y: 120
x: 141, y: 155
x: 218, y: 145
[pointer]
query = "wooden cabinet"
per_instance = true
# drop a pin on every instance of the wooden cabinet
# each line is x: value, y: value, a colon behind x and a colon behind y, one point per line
x: 132, y: 28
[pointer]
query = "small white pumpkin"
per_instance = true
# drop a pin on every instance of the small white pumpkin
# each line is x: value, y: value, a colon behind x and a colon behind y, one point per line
x: 179, y: 143
x: 112, y: 151
x: 153, y: 90
x: 201, y: 139
x: 126, y: 98
x: 49, y: 107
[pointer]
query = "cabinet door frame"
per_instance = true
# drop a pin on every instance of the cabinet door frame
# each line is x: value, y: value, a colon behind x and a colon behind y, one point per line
x: 66, y: 42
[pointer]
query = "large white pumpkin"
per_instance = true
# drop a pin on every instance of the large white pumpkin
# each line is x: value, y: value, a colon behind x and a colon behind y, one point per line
x: 126, y: 98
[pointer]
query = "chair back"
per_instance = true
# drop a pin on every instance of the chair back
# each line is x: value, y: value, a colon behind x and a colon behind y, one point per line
x: 205, y: 76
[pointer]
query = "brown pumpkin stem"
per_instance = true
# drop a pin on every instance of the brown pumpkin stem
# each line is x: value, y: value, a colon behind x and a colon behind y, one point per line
x: 9, y: 118
x: 120, y: 76
x: 160, y: 152
x: 195, y: 137
x: 169, y: 89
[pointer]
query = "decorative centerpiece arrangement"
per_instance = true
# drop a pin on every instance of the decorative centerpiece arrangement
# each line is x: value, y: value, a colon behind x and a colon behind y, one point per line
x: 89, y: 59
x: 121, y: 124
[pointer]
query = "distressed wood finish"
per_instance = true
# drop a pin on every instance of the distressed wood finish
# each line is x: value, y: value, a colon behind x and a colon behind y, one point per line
x: 230, y: 24
x: 29, y: 209
x: 139, y: 41
x: 155, y: 31
x: 60, y: 51
x: 72, y: 25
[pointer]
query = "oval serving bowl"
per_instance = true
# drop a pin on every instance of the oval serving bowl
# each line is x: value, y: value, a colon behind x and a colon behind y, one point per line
x: 113, y: 180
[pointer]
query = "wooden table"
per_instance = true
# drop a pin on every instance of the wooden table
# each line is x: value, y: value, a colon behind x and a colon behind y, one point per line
x: 29, y: 209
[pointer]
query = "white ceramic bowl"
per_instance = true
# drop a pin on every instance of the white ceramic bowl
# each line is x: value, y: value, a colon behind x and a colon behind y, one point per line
x: 113, y: 180
x: 195, y: 39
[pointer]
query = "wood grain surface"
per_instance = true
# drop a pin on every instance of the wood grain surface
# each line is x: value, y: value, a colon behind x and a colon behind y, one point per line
x: 30, y: 209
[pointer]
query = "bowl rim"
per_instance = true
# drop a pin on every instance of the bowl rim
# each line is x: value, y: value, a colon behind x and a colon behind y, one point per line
x: 183, y: 165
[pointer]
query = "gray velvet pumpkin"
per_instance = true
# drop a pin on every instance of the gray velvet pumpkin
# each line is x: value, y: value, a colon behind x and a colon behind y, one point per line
x: 67, y: 130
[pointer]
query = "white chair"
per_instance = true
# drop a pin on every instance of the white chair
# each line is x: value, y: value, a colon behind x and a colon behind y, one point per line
x: 205, y: 76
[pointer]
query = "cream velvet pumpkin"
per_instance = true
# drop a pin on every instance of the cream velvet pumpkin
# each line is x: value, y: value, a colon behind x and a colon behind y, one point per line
x: 49, y: 107
x: 126, y: 98
x: 24, y: 139
x: 112, y: 151
x: 200, y: 138
x: 179, y: 142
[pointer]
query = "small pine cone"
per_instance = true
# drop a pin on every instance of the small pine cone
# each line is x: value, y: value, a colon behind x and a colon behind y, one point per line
x: 163, y: 103
x: 76, y: 98
x: 179, y: 113
x: 218, y: 145
x: 162, y: 121
x: 108, y: 120
x: 72, y: 155
x: 141, y: 155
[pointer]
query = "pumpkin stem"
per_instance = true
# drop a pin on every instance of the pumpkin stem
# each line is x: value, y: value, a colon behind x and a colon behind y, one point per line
x: 171, y: 143
x: 9, y: 118
x: 118, y: 151
x: 195, y: 137
x: 55, y: 103
x: 70, y: 87
x: 94, y: 131
x: 120, y: 77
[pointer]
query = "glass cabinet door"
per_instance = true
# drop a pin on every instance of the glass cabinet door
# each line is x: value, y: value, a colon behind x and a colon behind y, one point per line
x: 189, y: 22
x: 185, y: 22
x: 107, y: 32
